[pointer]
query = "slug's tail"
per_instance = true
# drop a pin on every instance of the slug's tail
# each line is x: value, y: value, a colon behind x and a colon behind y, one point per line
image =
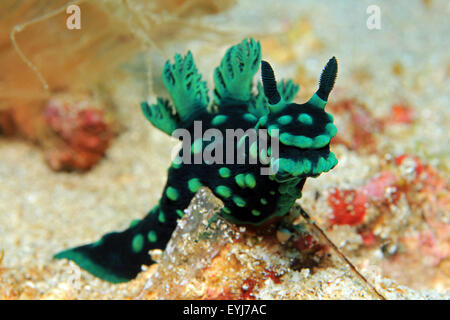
x: 118, y: 256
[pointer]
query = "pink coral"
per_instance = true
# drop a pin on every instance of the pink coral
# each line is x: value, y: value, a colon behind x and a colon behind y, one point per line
x: 83, y: 129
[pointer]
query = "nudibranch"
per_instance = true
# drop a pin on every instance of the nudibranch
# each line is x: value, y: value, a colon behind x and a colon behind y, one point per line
x: 302, y: 131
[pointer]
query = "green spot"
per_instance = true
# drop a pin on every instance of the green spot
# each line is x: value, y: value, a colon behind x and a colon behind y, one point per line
x: 273, y: 131
x: 250, y: 117
x: 137, y: 244
x: 320, y: 166
x: 305, y: 118
x: 180, y: 213
x: 226, y: 210
x: 287, y: 139
x: 332, y: 160
x: 321, y: 141
x: 194, y: 185
x: 263, y: 201
x: 223, y: 191
x: 134, y: 223
x: 284, y: 120
x: 151, y: 236
x: 272, y: 193
x: 298, y: 168
x: 256, y: 213
x: 172, y: 193
x: 161, y: 217
x: 197, y: 146
x: 239, y: 201
x: 240, y: 180
x: 250, y: 180
x: 287, y: 165
x: 306, y: 166
x: 297, y: 141
x: 219, y: 119
x: 331, y: 129
x: 303, y: 142
x: 224, y: 172
x: 176, y: 163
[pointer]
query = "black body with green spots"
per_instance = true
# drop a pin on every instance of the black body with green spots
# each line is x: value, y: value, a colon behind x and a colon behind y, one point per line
x: 304, y: 132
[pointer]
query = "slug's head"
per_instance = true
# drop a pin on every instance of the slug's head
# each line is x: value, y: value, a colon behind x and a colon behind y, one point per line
x: 304, y: 130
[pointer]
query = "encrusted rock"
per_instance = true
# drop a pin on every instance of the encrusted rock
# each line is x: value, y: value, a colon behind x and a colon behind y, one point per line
x: 208, y: 258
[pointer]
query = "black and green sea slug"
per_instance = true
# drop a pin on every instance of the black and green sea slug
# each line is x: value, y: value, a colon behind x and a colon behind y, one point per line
x: 304, y: 132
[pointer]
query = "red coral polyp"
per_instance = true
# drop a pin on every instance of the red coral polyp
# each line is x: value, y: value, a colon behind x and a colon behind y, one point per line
x: 349, y: 207
x: 83, y: 129
x: 402, y: 114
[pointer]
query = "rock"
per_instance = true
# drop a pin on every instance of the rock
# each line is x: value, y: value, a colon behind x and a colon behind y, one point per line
x: 224, y: 261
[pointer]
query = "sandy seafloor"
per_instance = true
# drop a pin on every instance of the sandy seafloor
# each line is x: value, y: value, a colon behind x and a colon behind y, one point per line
x: 42, y: 212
